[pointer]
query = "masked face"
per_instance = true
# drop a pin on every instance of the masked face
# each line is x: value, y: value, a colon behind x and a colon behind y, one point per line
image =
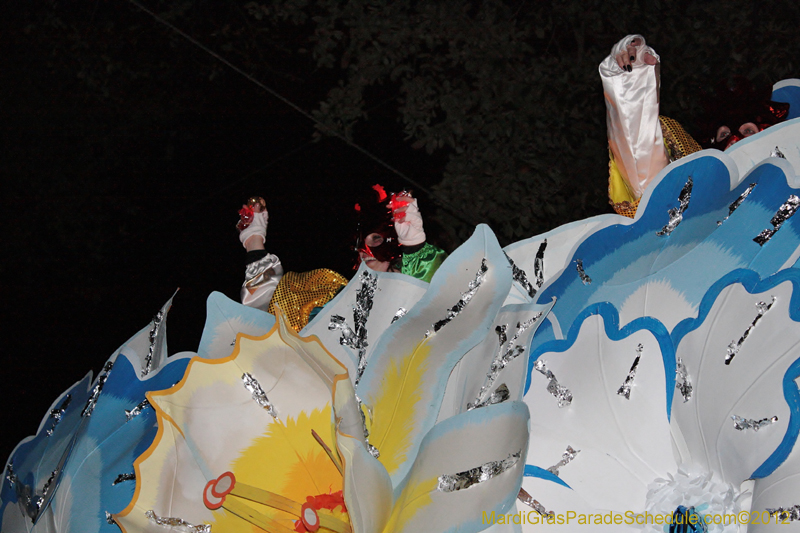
x: 366, y: 255
x: 377, y: 251
x: 726, y: 138
x: 738, y: 109
x: 376, y: 238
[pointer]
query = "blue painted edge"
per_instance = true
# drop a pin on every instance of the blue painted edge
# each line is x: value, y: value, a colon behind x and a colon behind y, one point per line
x: 753, y: 284
x: 535, y: 471
x: 610, y: 317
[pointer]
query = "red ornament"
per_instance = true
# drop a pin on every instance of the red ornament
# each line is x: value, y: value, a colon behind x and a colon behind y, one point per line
x: 381, y: 192
x: 309, y: 519
x: 396, y: 202
x: 216, y: 490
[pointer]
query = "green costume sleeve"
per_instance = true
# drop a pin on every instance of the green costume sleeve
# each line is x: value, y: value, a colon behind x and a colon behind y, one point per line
x: 423, y: 263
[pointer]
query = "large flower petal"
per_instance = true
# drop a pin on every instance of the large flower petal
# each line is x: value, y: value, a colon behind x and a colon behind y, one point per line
x: 622, y: 444
x: 404, y: 382
x: 740, y: 324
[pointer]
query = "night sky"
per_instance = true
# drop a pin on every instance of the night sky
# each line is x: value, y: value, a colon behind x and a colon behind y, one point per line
x: 111, y: 203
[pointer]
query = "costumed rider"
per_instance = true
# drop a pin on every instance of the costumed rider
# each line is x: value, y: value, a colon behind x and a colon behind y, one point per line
x: 394, y: 240
x: 641, y: 142
x: 266, y: 284
x: 390, y: 236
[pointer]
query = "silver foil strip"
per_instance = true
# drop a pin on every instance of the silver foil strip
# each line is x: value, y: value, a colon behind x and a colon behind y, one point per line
x: 682, y: 382
x: 260, y: 397
x: 736, y: 203
x: 184, y: 526
x: 136, y: 411
x: 566, y: 457
x: 401, y: 312
x: 129, y: 476
x: 153, y: 337
x: 518, y: 275
x: 734, y: 346
x: 357, y: 338
x: 521, y: 277
x: 777, y: 153
x: 582, y: 273
x: 528, y: 500
x: 374, y: 452
x: 676, y: 213
x: 783, y: 214
x: 11, y: 477
x: 501, y: 360
x: 364, y: 298
x: 97, y: 389
x: 30, y: 500
x: 538, y: 264
x: 348, y: 337
x: 500, y: 394
x: 625, y: 388
x: 454, y: 311
x: 58, y: 413
x: 562, y: 394
x: 473, y: 476
x: 742, y: 424
x: 788, y: 514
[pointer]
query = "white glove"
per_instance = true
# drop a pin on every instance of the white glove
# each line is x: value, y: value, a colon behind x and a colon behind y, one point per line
x: 257, y: 227
x: 408, y: 222
x: 619, y: 61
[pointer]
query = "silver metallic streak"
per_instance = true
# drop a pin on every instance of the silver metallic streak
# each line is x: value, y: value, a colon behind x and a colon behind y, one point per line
x: 742, y: 424
x: 473, y: 476
x: 736, y: 203
x: 11, y: 477
x: 97, y: 389
x: 676, y: 213
x: 58, y: 413
x: 562, y: 394
x: 129, y: 476
x: 528, y: 500
x: 538, y: 271
x: 176, y: 522
x: 582, y: 273
x: 625, y: 388
x: 734, y: 346
x: 357, y: 338
x: 504, y: 356
x: 153, y: 337
x: 783, y: 214
x: 566, y: 457
x: 260, y: 397
x: 31, y: 501
x: 136, y: 411
x: 789, y: 514
x: 453, y: 312
x: 682, y: 382
x: 401, y: 312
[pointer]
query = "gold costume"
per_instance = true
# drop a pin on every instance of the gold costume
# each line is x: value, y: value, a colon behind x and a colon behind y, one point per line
x: 678, y: 143
x: 298, y: 293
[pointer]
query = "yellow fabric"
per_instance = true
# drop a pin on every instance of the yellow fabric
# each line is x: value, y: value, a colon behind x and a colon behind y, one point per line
x: 618, y: 191
x: 298, y: 293
x: 678, y: 144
